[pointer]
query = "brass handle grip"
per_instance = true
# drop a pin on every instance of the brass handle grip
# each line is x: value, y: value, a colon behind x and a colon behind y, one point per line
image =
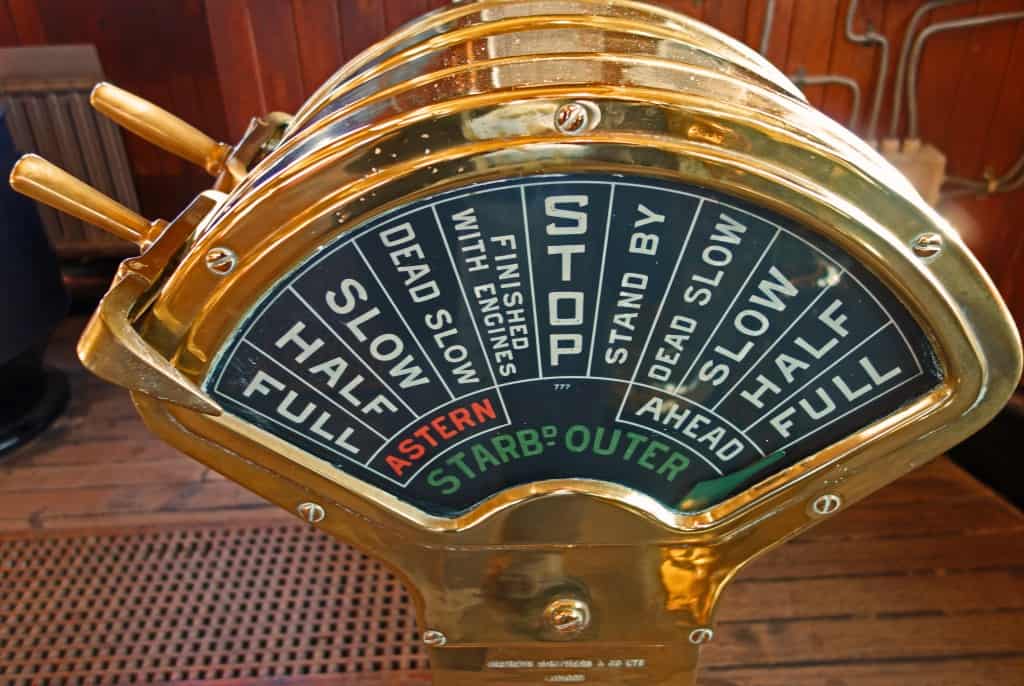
x: 159, y: 127
x: 49, y: 184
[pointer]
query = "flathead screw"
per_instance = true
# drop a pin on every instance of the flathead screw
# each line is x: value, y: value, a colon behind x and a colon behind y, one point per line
x: 567, y: 616
x: 826, y: 504
x: 702, y: 635
x: 927, y: 245
x: 221, y: 261
x: 434, y: 638
x: 576, y: 117
x: 311, y: 512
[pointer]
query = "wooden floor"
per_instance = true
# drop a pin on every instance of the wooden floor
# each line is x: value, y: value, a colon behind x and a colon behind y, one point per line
x: 921, y: 584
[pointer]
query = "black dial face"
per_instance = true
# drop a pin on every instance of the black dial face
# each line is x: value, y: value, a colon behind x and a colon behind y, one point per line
x: 664, y: 337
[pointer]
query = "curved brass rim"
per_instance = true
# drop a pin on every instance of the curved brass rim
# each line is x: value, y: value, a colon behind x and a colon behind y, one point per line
x: 742, y: 100
x: 804, y: 200
x: 677, y: 28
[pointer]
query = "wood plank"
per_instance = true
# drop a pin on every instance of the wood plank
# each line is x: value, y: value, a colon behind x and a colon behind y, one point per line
x: 876, y: 596
x: 987, y: 51
x: 859, y: 62
x: 982, y: 670
x: 175, y: 469
x: 236, y: 62
x: 321, y: 48
x: 810, y: 54
x: 148, y: 48
x: 8, y: 33
x: 993, y: 234
x: 27, y: 22
x: 398, y: 12
x: 254, y: 510
x: 729, y: 17
x: 902, y: 520
x: 896, y: 19
x: 48, y: 508
x: 808, y: 557
x: 362, y: 24
x: 691, y: 8
x: 779, y: 644
x: 942, y: 67
x: 277, y: 57
x: 781, y: 32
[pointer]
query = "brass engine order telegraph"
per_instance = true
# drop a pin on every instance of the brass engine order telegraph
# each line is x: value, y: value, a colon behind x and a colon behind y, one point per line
x: 565, y: 309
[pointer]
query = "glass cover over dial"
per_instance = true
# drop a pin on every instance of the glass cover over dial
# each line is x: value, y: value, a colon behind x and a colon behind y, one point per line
x: 660, y: 336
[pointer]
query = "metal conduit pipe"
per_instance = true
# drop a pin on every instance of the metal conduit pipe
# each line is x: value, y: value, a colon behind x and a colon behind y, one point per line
x: 901, y: 72
x: 872, y: 37
x: 922, y: 39
x: 1010, y: 181
x: 834, y: 80
x: 766, y: 29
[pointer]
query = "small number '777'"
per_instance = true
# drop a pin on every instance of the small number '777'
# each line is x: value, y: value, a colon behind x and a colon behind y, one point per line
x: 562, y: 386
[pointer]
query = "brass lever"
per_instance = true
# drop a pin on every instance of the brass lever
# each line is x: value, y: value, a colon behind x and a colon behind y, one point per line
x: 49, y: 184
x: 159, y: 127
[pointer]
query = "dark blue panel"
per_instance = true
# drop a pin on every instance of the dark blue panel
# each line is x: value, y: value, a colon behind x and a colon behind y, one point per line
x: 651, y: 334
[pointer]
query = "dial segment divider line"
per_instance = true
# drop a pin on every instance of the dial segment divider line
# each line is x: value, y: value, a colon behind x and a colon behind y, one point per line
x: 661, y: 306
x: 533, y: 289
x: 266, y: 302
x: 725, y: 314
x: 312, y: 388
x: 405, y: 323
x: 798, y: 237
x: 776, y: 343
x: 817, y: 376
x: 600, y: 277
x: 472, y: 316
x: 359, y: 357
x: 676, y: 441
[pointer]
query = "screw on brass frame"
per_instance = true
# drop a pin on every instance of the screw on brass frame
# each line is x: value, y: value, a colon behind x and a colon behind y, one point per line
x: 576, y: 117
x: 701, y: 635
x: 826, y: 504
x: 567, y: 616
x: 221, y: 261
x: 927, y: 245
x: 434, y: 638
x: 311, y: 512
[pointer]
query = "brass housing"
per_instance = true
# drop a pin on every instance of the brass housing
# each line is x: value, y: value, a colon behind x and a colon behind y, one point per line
x: 677, y: 101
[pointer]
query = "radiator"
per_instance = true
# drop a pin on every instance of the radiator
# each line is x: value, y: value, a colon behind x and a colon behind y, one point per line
x: 45, y: 91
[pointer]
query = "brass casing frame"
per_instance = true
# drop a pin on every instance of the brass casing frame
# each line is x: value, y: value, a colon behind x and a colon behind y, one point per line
x: 775, y: 152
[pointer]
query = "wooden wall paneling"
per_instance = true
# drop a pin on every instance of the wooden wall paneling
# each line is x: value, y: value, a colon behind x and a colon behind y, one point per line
x: 811, y: 52
x: 161, y: 51
x: 859, y: 62
x: 987, y: 52
x: 942, y: 65
x: 363, y: 23
x: 729, y: 17
x: 782, y: 26
x: 8, y: 34
x: 398, y: 12
x: 895, y: 21
x: 971, y: 127
x: 321, y: 48
x: 273, y: 31
x: 691, y: 8
x: 1004, y: 143
x: 756, y: 10
x: 27, y: 22
x: 1004, y: 147
x: 237, y: 60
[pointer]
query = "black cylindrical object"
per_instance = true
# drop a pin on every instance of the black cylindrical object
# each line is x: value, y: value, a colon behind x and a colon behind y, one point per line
x: 32, y: 303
